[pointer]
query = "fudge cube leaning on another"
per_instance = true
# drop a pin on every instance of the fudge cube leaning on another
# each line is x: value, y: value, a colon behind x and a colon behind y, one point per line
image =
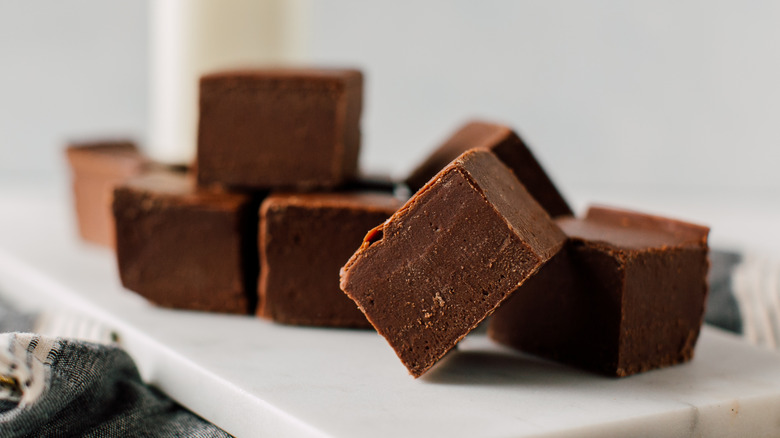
x: 256, y: 126
x: 626, y: 295
x: 509, y: 148
x: 185, y: 247
x: 304, y: 239
x: 96, y: 168
x: 444, y: 261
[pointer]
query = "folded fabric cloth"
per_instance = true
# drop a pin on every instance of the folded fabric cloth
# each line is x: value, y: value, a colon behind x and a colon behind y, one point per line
x: 722, y: 308
x: 756, y: 284
x: 54, y: 386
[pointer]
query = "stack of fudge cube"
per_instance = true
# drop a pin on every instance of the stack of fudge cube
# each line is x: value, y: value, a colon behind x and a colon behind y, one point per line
x: 276, y: 220
x: 272, y: 208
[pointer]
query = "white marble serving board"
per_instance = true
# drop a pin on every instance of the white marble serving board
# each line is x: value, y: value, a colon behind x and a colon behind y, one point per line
x: 255, y: 378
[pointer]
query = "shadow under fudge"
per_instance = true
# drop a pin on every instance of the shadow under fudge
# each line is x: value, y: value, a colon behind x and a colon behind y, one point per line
x: 502, y: 369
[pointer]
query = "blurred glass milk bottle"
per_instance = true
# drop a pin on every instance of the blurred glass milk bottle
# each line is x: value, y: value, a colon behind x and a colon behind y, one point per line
x: 193, y: 37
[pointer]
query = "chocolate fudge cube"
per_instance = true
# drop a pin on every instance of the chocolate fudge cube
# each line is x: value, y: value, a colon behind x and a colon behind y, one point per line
x: 279, y: 128
x: 96, y: 168
x: 626, y: 295
x: 509, y: 148
x: 449, y: 257
x: 184, y: 247
x: 304, y: 241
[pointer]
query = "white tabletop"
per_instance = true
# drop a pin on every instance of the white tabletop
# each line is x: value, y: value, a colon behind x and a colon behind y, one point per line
x: 252, y: 377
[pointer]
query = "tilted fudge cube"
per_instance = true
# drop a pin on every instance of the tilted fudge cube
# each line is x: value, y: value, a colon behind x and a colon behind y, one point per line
x: 96, y: 168
x: 184, y: 247
x: 509, y: 148
x: 449, y: 257
x: 626, y: 295
x: 262, y: 129
x: 304, y: 241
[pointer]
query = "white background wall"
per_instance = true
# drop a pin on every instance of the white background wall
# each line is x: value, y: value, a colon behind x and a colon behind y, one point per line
x: 68, y: 69
x: 650, y: 93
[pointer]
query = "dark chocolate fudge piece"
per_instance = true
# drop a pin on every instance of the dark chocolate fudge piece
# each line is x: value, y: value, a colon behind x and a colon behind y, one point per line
x: 449, y: 257
x: 279, y: 128
x: 509, y: 148
x: 304, y: 241
x: 96, y: 168
x: 626, y: 295
x: 184, y: 247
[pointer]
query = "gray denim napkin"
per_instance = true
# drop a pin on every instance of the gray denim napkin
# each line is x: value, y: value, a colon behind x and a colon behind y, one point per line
x: 62, y: 387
